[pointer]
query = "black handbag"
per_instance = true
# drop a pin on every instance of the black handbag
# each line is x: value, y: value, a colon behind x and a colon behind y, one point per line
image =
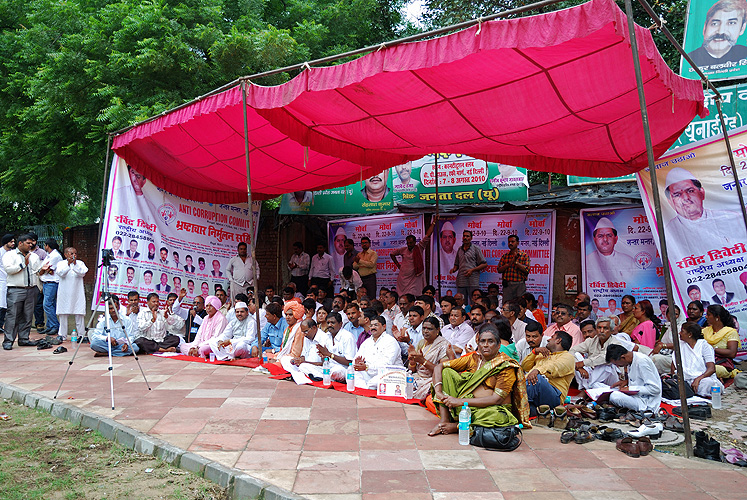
x: 670, y: 389
x: 496, y: 438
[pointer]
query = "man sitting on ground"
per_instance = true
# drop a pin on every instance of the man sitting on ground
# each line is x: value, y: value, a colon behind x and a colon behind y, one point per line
x: 132, y: 308
x: 376, y: 352
x: 237, y: 338
x: 342, y: 350
x: 533, y: 339
x: 563, y: 324
x: 153, y: 324
x: 588, y: 329
x: 212, y: 326
x: 272, y: 333
x: 491, y: 383
x: 642, y: 377
x: 458, y: 332
x: 549, y: 372
x: 427, y: 303
x: 120, y: 327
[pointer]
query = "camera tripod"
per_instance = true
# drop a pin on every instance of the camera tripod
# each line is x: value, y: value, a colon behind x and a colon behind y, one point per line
x: 106, y: 298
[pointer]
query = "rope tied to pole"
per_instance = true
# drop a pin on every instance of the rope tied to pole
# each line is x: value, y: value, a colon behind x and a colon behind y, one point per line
x: 479, y: 26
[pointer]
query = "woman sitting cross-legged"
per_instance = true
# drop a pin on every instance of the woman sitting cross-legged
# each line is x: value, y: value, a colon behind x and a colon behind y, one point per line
x: 490, y: 382
x: 698, y: 360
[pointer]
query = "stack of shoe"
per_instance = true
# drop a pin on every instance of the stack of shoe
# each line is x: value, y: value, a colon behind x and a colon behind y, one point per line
x: 707, y: 447
x: 635, y: 448
x: 583, y: 433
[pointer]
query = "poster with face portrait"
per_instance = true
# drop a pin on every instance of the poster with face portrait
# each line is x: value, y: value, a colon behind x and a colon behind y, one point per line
x: 386, y: 232
x: 372, y: 195
x: 461, y: 180
x: 715, y: 39
x: 163, y: 243
x: 490, y: 232
x: 703, y: 224
x: 619, y: 257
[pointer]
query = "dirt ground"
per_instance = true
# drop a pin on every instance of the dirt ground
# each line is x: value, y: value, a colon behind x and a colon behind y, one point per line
x: 42, y: 457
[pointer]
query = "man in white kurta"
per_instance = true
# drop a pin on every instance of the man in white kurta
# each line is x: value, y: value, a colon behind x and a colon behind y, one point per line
x: 341, y: 350
x: 236, y: 340
x: 377, y: 351
x: 309, y: 357
x: 240, y: 270
x: 606, y: 264
x: 642, y: 377
x: 592, y: 369
x: 71, y: 296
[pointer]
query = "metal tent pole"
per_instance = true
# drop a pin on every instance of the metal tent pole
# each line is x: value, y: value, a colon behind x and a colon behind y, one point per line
x: 659, y: 225
x: 251, y: 216
x: 438, y: 239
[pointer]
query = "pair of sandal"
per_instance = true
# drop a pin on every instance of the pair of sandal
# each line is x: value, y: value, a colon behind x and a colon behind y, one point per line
x: 549, y: 416
x: 582, y: 435
x: 674, y: 424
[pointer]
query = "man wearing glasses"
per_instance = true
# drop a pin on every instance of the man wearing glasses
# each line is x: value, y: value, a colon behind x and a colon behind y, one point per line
x: 563, y: 323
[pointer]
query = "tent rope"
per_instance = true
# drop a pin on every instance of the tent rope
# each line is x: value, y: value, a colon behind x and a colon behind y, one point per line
x: 479, y: 26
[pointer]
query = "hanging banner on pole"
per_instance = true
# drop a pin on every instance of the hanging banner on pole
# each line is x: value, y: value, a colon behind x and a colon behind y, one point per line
x: 703, y: 224
x: 461, y: 180
x: 490, y: 232
x: 162, y: 243
x: 373, y: 195
x: 387, y: 233
x: 619, y: 258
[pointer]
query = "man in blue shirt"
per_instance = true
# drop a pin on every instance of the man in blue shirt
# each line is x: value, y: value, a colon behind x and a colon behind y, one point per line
x: 120, y: 327
x: 272, y: 333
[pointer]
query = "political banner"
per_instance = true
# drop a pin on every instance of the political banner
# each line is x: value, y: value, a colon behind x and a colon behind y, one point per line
x: 574, y: 180
x: 373, y: 195
x: 734, y: 107
x: 715, y: 39
x: 619, y: 258
x: 703, y: 223
x: 387, y: 233
x: 162, y: 243
x: 461, y: 180
x: 490, y: 232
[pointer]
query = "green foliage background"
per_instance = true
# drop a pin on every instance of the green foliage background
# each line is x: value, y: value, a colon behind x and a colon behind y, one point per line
x: 73, y: 70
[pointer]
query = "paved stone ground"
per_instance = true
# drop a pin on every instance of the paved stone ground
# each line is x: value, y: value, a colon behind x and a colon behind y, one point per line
x: 325, y: 444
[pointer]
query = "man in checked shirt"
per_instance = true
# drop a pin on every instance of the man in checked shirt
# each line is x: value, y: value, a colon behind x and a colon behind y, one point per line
x: 514, y: 266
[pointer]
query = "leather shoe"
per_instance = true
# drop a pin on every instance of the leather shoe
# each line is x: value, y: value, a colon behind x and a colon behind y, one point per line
x: 645, y: 446
x: 27, y: 343
x: 652, y: 430
x: 7, y: 347
x: 629, y: 447
x: 53, y: 339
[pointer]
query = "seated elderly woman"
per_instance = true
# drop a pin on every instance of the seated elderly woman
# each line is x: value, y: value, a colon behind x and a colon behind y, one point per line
x: 490, y: 382
x: 698, y: 360
x: 721, y: 333
x: 212, y: 325
x: 423, y: 358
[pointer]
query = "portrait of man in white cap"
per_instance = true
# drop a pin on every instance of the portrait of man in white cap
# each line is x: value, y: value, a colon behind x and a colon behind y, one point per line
x: 338, y: 243
x: 606, y: 263
x: 404, y: 182
x: 447, y: 238
x: 696, y: 229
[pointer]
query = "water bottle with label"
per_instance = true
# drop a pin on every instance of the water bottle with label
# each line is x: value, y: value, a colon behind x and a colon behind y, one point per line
x: 326, y: 374
x: 716, y: 397
x: 465, y: 417
x: 410, y: 383
x: 350, y: 378
x: 74, y: 336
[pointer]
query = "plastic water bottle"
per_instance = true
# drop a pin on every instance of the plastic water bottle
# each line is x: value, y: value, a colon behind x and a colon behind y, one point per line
x: 716, y: 397
x: 74, y: 336
x: 410, y: 383
x: 326, y: 375
x: 465, y: 417
x: 350, y: 378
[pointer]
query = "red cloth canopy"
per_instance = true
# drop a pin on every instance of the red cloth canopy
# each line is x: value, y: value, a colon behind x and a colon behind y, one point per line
x: 552, y: 92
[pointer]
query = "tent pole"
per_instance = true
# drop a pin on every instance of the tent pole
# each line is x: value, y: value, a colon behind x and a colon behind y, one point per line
x: 251, y: 216
x: 438, y: 239
x: 659, y: 225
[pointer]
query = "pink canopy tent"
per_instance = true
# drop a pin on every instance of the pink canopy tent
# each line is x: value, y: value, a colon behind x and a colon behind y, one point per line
x: 552, y: 92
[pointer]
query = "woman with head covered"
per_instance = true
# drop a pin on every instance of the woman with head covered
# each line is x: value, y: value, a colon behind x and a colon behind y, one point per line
x: 212, y: 325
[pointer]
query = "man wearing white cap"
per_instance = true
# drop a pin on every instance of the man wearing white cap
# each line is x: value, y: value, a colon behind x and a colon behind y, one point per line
x: 448, y: 253
x: 338, y: 242
x: 605, y: 263
x: 236, y: 339
x: 695, y: 229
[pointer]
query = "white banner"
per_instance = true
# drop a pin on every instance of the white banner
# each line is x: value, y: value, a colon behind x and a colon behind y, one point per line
x: 163, y: 243
x: 490, y: 232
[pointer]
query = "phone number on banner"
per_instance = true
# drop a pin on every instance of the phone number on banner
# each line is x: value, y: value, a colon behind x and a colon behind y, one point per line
x: 710, y: 276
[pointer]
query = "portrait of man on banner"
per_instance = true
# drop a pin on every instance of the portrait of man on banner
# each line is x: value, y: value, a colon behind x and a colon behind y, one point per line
x: 724, y: 24
x: 607, y: 263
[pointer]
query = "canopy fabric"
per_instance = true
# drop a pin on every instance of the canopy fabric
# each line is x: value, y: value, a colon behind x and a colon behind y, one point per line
x: 553, y: 92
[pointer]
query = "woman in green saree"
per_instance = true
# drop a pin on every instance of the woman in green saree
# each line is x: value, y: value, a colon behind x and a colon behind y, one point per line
x: 490, y: 382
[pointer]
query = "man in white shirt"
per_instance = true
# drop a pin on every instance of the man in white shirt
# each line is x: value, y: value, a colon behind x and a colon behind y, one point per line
x: 459, y: 331
x: 50, y: 283
x: 350, y: 279
x: 131, y: 309
x: 642, y: 377
x: 511, y: 311
x: 395, y: 320
x: 533, y: 339
x: 240, y: 271
x: 121, y: 330
x: 8, y: 243
x: 342, y: 350
x: 299, y: 267
x: 153, y: 328
x: 236, y: 340
x: 377, y: 351
x: 22, y: 267
x: 322, y: 270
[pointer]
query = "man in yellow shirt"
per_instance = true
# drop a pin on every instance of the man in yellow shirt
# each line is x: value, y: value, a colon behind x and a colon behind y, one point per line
x: 365, y: 264
x: 549, y: 371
